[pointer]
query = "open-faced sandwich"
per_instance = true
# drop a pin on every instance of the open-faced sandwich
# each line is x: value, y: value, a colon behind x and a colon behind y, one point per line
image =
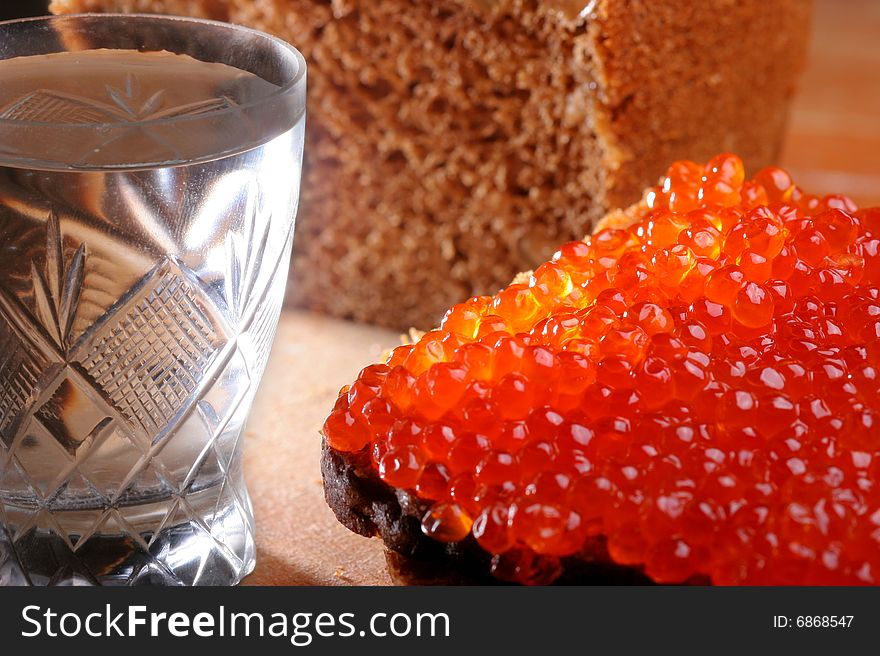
x: 689, y: 394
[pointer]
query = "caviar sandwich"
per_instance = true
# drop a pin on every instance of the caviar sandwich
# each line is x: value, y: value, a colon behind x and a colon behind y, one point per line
x: 690, y: 394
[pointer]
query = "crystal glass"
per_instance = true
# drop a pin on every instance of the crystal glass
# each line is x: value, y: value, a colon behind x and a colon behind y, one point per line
x: 146, y: 222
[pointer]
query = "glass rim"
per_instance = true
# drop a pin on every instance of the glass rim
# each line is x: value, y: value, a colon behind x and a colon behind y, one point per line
x: 288, y: 88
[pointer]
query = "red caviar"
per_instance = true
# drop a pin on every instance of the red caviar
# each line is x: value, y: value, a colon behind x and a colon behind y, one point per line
x: 700, y: 389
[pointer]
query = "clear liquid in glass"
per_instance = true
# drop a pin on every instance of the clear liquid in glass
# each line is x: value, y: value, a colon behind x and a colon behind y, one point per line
x: 137, y: 308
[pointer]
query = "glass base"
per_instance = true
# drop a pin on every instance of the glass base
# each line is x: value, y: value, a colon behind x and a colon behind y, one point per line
x: 211, y: 546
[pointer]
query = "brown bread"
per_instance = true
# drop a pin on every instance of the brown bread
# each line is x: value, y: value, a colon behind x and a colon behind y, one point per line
x: 452, y: 143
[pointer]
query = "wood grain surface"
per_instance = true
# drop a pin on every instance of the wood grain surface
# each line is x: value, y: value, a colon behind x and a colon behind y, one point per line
x: 833, y: 141
x: 833, y: 145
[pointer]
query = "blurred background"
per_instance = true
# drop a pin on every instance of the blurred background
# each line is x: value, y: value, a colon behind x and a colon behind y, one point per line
x: 833, y: 141
x: 22, y: 8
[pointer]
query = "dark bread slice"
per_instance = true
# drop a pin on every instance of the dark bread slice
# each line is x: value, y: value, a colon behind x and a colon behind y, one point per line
x: 367, y: 506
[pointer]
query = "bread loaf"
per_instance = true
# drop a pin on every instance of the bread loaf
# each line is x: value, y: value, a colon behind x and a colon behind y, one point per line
x: 452, y: 143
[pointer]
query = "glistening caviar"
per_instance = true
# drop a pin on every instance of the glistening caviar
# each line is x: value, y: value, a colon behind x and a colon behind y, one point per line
x: 698, y: 390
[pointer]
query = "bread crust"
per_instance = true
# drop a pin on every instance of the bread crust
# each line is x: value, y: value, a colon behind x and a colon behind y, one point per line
x: 366, y: 505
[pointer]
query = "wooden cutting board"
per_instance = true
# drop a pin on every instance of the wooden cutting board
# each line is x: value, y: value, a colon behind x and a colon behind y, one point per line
x: 299, y: 541
x: 832, y: 146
